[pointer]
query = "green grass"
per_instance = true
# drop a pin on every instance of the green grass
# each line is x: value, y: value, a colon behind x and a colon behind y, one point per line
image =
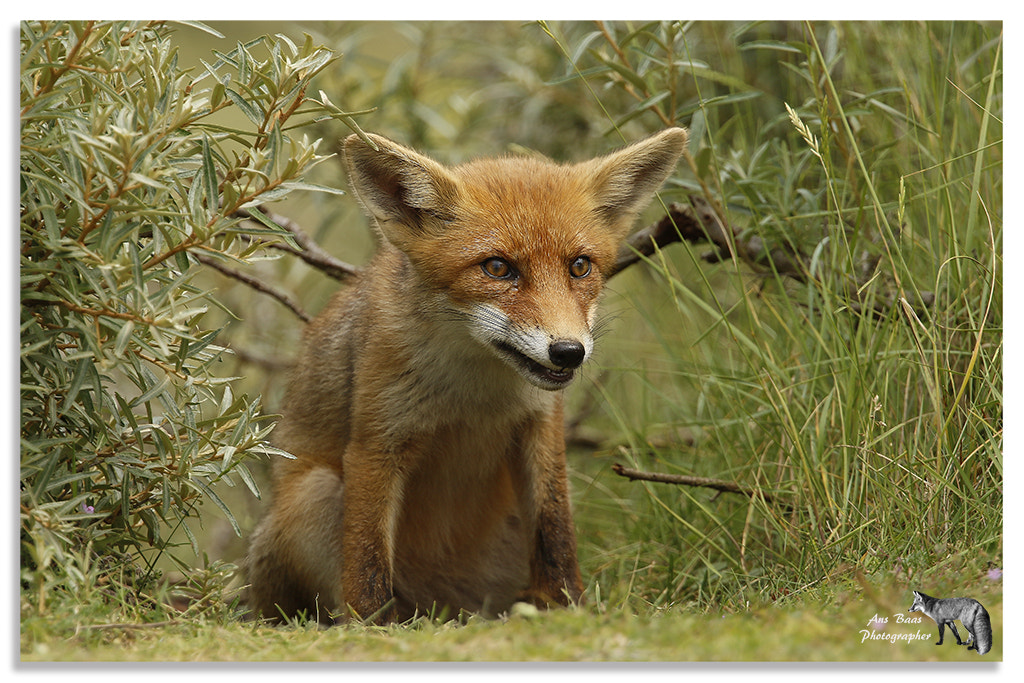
x: 875, y: 420
x: 828, y: 627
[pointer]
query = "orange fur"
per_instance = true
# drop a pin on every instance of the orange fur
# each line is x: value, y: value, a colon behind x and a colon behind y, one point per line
x: 425, y: 411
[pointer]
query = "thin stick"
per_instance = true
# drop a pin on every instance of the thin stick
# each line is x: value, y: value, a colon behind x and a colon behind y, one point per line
x: 685, y: 480
x: 309, y: 251
x: 256, y: 284
x: 698, y: 223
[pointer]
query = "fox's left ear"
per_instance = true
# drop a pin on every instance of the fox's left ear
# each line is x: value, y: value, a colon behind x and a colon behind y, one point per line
x: 404, y: 192
x: 624, y: 181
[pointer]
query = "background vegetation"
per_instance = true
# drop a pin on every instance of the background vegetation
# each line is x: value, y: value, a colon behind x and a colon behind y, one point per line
x: 837, y: 350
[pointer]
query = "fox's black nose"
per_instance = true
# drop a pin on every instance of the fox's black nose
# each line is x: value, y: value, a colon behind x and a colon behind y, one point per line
x: 566, y: 353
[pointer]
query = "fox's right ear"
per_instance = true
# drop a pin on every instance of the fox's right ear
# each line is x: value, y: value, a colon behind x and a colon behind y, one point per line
x: 625, y: 181
x: 404, y: 192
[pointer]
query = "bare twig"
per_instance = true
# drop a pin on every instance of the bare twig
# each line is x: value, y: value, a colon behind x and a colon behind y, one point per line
x: 309, y: 251
x: 685, y: 480
x: 698, y: 223
x: 646, y: 241
x: 255, y: 283
x: 275, y: 363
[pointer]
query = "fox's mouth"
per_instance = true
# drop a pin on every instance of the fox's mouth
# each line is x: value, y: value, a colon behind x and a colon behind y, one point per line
x: 541, y: 375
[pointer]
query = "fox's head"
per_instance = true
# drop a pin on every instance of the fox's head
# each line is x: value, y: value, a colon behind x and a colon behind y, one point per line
x: 919, y: 601
x: 518, y: 247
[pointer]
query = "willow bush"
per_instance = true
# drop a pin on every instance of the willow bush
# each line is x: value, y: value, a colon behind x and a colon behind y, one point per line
x: 135, y: 174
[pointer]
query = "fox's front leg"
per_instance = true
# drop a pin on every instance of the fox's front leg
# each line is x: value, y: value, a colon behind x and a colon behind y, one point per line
x: 554, y: 567
x: 371, y: 503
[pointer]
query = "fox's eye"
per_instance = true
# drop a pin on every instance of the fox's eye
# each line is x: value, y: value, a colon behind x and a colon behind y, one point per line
x: 497, y: 268
x: 580, y: 267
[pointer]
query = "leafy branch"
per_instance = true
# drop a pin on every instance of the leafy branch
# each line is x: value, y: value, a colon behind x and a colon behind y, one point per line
x: 130, y: 188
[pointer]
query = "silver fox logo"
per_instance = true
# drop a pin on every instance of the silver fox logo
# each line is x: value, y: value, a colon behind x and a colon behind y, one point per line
x: 945, y: 612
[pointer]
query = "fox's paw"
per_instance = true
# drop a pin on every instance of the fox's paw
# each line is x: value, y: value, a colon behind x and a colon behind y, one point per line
x: 538, y: 598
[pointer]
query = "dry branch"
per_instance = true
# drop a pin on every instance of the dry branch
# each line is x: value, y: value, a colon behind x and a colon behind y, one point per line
x: 698, y: 223
x: 685, y: 480
x: 309, y: 251
x: 256, y: 284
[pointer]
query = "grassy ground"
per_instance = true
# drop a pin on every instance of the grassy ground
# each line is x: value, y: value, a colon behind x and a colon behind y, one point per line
x: 849, y: 618
x: 832, y: 631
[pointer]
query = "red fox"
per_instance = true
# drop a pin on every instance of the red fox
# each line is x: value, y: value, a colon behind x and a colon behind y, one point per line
x: 425, y: 410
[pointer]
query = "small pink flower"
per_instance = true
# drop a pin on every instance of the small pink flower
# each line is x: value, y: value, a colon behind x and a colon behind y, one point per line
x: 995, y: 574
x: 88, y: 509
